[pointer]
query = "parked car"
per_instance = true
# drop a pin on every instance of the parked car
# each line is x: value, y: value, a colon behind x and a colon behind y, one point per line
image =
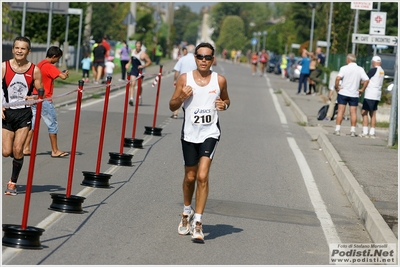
x: 388, y: 62
x: 294, y: 71
x: 273, y: 60
x: 278, y: 70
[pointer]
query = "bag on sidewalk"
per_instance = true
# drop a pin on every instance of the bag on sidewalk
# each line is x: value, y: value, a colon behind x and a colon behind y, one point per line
x: 323, y: 110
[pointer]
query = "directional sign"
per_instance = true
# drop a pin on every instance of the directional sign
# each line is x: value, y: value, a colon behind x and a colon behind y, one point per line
x: 254, y: 41
x: 374, y: 39
x: 366, y: 5
x: 377, y: 25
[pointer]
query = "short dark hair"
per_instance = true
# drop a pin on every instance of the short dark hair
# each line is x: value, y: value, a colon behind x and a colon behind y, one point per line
x: 208, y: 45
x: 54, y: 51
x: 23, y: 39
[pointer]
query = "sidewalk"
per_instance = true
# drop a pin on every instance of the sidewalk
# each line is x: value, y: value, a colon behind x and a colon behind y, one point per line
x: 366, y: 168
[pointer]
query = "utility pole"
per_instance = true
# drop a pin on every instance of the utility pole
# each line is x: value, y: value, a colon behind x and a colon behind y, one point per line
x: 132, y: 27
x: 88, y: 28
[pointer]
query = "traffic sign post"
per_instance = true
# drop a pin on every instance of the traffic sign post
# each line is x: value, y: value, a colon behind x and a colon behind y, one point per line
x: 377, y: 24
x: 374, y: 39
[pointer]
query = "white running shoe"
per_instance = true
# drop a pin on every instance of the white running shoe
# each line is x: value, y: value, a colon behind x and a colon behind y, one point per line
x: 364, y: 135
x: 372, y: 136
x: 353, y: 134
x: 197, y: 235
x: 336, y: 133
x: 184, y: 224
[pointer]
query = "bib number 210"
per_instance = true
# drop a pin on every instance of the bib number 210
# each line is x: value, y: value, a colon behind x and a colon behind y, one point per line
x: 203, y: 119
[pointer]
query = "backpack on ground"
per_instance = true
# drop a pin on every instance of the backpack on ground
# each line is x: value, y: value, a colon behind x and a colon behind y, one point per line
x: 323, y: 110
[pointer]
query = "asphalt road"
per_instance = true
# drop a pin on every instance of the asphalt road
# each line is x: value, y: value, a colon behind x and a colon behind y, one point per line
x: 273, y: 198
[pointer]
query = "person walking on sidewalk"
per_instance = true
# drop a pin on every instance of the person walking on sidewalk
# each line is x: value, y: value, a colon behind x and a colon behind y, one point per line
x: 19, y: 78
x: 185, y: 64
x: 351, y: 76
x: 372, y: 96
x: 49, y: 73
x: 124, y: 58
x: 139, y: 60
x: 203, y: 94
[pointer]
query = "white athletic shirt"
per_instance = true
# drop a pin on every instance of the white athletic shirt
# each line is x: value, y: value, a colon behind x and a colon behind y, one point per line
x: 352, y: 74
x: 201, y: 116
x: 138, y: 56
x: 374, y: 88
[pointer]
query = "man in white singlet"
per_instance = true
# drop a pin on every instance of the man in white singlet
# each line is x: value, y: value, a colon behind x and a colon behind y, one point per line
x: 203, y: 93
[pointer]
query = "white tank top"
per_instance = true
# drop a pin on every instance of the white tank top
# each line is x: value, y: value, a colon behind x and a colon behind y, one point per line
x: 374, y: 88
x: 201, y: 116
x: 138, y: 56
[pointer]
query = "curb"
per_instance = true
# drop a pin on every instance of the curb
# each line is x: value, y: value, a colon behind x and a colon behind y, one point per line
x: 362, y: 205
x: 295, y: 108
x: 376, y: 226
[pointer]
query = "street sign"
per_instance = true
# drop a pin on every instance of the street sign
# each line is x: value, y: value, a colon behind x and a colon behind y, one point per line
x: 129, y: 19
x: 254, y: 41
x: 377, y: 25
x: 366, y: 5
x: 374, y: 39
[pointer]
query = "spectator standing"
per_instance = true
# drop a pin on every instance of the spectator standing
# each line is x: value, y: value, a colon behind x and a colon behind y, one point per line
x: 110, y: 66
x: 304, y: 73
x: 49, y: 73
x: 283, y: 66
x: 233, y: 55
x: 124, y: 58
x: 351, y: 74
x: 19, y: 78
x: 313, y: 69
x: 185, y: 64
x: 99, y: 53
x: 139, y: 60
x: 372, y: 96
x: 159, y: 54
x: 205, y: 89
x: 263, y: 61
x: 248, y: 56
x: 86, y: 63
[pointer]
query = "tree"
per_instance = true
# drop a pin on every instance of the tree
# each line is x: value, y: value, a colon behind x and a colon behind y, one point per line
x: 185, y: 25
x: 231, y: 34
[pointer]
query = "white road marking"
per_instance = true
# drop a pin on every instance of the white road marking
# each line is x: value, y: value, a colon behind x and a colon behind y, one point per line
x: 320, y: 209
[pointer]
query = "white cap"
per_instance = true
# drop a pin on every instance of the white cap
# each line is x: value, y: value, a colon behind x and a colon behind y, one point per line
x: 376, y: 59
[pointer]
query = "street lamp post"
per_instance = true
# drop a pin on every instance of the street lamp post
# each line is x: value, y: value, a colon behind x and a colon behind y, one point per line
x: 258, y: 42
x: 264, y: 34
x: 313, y: 5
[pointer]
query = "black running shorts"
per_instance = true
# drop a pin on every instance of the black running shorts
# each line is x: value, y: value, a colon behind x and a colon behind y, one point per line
x: 17, y: 118
x: 192, y: 152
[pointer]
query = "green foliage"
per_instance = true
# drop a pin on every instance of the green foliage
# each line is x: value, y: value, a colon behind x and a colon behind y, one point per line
x: 186, y: 25
x: 231, y: 34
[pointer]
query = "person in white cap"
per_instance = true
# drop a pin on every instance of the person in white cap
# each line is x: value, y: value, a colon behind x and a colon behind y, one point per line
x: 372, y: 96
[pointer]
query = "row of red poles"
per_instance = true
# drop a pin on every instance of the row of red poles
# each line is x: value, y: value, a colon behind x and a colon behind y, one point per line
x: 28, y: 237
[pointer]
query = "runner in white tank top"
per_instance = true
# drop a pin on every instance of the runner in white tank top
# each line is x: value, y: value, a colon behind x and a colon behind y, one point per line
x: 201, y: 116
x: 203, y: 94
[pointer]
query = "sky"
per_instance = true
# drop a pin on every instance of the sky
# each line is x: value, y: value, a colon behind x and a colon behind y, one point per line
x: 194, y: 6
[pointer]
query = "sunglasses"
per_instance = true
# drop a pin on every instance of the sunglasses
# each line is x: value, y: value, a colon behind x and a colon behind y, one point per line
x: 207, y: 57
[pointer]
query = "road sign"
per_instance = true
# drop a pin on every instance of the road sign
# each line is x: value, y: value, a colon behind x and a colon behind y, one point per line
x: 374, y: 39
x: 377, y: 25
x: 254, y: 41
x: 129, y: 19
x: 366, y: 5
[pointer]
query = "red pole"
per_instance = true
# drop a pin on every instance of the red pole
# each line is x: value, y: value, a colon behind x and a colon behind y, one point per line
x: 137, y: 104
x: 32, y: 161
x: 158, y: 94
x: 74, y: 137
x: 103, y: 125
x: 121, y: 149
